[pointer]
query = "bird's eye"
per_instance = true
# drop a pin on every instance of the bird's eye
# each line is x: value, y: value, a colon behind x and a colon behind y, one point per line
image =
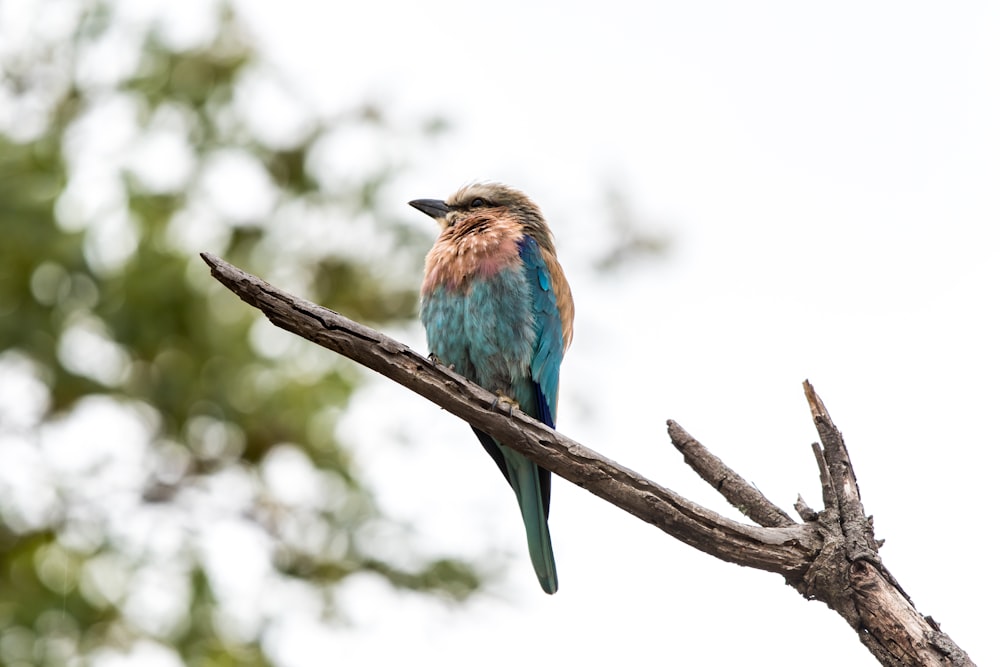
x: 478, y: 202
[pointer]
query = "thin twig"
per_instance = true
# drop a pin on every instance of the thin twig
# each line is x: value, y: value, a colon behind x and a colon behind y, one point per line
x: 741, y: 494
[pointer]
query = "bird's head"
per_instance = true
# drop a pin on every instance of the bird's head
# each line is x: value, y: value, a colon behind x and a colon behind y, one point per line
x: 486, y: 201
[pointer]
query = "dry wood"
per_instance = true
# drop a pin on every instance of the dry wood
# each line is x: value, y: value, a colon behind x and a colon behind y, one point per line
x: 832, y: 555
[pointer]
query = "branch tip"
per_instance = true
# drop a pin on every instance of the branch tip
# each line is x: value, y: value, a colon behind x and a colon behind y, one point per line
x: 807, y: 513
x: 815, y: 402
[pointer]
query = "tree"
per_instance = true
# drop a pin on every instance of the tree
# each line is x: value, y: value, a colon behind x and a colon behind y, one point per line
x: 124, y: 145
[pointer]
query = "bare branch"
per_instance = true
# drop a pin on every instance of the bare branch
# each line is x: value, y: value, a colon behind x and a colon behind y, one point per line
x: 832, y: 556
x: 861, y: 538
x: 785, y: 550
x: 740, y: 494
x: 877, y: 606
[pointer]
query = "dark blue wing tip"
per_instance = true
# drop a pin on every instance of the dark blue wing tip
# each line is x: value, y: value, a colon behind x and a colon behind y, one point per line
x: 544, y: 410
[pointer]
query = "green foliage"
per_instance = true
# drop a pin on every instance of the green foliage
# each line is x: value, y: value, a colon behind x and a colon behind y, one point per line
x: 106, y: 309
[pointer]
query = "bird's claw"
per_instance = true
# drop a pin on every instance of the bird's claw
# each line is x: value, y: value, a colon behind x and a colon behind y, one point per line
x: 436, y: 360
x: 504, y: 403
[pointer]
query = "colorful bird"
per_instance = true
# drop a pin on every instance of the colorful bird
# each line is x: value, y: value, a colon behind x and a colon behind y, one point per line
x: 497, y: 309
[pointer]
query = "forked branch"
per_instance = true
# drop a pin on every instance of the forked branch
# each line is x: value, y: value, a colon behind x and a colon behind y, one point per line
x: 832, y: 555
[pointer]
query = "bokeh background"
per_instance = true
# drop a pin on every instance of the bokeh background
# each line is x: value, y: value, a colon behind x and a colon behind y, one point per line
x: 743, y: 195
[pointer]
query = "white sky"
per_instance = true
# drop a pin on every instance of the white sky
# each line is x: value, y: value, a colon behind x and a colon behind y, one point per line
x: 829, y: 175
x: 829, y: 179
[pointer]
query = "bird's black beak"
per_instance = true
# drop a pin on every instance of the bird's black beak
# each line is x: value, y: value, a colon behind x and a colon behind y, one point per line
x: 435, y: 208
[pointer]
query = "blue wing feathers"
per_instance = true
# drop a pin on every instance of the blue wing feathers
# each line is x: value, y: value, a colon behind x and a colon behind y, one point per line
x: 548, y: 351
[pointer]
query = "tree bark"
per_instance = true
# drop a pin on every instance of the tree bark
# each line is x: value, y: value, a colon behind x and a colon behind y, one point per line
x: 831, y: 555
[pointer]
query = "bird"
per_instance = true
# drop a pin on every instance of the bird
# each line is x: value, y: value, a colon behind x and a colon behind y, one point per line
x: 498, y: 310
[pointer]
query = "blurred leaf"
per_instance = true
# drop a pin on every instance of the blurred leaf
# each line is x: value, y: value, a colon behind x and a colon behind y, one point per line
x: 629, y: 239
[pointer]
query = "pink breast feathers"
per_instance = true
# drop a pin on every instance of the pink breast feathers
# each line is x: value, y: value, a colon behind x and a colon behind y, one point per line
x: 471, y: 250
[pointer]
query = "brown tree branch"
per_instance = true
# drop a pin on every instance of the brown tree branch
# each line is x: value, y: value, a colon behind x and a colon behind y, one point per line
x: 736, y: 490
x: 831, y: 556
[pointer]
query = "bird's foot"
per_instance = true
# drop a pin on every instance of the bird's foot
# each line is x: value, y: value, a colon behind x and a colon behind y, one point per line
x: 504, y: 403
x: 436, y: 360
